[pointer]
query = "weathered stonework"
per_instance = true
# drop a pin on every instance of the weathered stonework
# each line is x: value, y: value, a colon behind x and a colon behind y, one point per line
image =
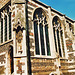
x: 19, y: 54
x: 5, y: 47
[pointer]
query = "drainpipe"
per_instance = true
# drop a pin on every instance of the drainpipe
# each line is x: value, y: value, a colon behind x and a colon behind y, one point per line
x: 27, y: 39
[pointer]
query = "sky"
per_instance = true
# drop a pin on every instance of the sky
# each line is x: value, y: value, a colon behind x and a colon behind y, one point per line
x: 66, y: 7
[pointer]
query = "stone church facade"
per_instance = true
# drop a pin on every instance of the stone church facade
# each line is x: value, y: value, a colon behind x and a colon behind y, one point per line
x: 35, y: 39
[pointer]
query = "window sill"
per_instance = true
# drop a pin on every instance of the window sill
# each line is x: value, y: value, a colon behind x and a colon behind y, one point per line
x: 48, y: 57
x: 63, y: 58
x: 40, y: 56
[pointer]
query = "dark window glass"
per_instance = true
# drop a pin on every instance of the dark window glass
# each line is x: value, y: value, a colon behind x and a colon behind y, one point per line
x: 42, y: 39
x: 9, y: 25
x: 47, y: 40
x: 70, y: 27
x: 55, y: 39
x: 5, y: 28
x: 62, y: 41
x: 59, y: 43
x: 36, y: 38
x: 1, y: 30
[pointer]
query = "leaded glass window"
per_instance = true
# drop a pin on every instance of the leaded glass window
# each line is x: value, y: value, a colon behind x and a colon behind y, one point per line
x: 36, y: 38
x: 5, y: 16
x: 58, y: 36
x: 42, y: 39
x: 42, y: 44
x: 47, y: 40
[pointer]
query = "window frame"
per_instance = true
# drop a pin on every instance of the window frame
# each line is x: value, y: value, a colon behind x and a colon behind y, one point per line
x: 39, y: 37
x: 3, y: 14
x: 62, y: 44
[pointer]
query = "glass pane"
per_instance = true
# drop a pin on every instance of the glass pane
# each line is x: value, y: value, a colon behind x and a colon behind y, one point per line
x: 10, y: 26
x: 47, y: 40
x: 59, y: 43
x: 62, y: 42
x: 55, y: 39
x: 42, y: 39
x: 1, y: 30
x: 36, y: 38
x: 5, y: 28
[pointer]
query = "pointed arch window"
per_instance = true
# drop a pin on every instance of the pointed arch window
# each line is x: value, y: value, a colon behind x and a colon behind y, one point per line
x: 58, y: 36
x: 42, y: 45
x: 5, y: 25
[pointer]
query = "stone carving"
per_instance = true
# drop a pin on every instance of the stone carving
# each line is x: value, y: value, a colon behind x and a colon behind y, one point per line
x: 18, y: 25
x: 57, y: 26
x: 19, y: 36
x: 18, y: 28
x: 19, y: 20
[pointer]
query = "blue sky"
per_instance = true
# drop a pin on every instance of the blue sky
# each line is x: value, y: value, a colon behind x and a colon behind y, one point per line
x: 66, y: 7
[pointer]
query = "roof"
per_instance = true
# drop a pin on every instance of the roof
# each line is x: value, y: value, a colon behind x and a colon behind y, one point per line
x: 3, y: 3
x: 52, y: 9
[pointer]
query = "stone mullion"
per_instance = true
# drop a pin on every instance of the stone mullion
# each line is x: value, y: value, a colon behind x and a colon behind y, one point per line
x: 3, y: 29
x: 14, y: 42
x: 64, y: 42
x: 44, y: 39
x: 7, y: 27
x: 0, y: 30
x: 61, y: 44
x: 39, y: 39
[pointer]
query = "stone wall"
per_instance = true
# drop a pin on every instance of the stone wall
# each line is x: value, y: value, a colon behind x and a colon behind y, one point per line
x: 42, y: 66
x: 5, y: 47
x: 70, y: 52
x: 4, y: 58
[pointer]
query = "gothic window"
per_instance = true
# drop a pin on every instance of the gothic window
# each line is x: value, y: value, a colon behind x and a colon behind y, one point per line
x: 5, y: 25
x: 58, y: 36
x: 42, y: 45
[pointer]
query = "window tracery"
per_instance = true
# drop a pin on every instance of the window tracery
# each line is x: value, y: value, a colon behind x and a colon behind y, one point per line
x: 42, y: 45
x: 58, y: 36
x: 5, y: 25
